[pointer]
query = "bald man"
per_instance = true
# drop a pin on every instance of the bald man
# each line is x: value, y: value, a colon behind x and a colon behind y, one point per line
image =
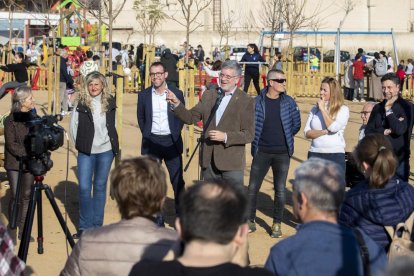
x: 365, y: 113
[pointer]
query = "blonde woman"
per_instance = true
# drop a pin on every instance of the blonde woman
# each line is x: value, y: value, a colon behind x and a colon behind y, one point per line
x: 93, y: 131
x: 326, y: 124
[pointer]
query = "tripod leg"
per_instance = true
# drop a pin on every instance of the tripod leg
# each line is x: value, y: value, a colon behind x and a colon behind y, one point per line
x: 28, y: 224
x: 15, y: 210
x: 39, y: 223
x: 192, y: 156
x: 58, y: 214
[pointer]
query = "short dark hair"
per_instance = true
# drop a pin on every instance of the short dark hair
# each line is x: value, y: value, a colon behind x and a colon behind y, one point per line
x: 95, y: 57
x: 392, y: 77
x: 20, y: 55
x: 139, y: 187
x: 212, y: 211
x: 360, y: 50
x: 158, y: 63
x: 89, y: 54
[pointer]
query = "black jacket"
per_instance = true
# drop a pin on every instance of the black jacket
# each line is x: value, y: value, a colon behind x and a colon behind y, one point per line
x: 398, y: 122
x: 19, y: 70
x: 64, y: 76
x: 15, y: 132
x: 170, y: 62
x: 86, y: 129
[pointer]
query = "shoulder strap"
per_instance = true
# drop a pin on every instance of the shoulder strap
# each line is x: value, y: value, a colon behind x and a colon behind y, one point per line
x: 407, y: 225
x: 363, y: 250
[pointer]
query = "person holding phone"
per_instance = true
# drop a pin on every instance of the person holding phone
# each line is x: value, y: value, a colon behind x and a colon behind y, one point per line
x: 326, y: 124
x: 393, y: 118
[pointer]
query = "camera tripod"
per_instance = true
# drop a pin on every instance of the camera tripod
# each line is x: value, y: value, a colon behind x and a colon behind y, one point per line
x: 36, y: 198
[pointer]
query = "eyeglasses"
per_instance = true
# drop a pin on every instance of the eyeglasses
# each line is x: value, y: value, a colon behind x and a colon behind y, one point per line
x: 365, y: 112
x: 157, y: 74
x: 227, y: 77
x: 279, y: 80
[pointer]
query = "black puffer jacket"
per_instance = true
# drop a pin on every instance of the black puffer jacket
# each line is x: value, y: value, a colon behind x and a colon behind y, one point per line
x: 170, y: 62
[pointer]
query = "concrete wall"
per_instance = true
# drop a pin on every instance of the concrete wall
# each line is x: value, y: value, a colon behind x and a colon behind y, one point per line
x: 384, y: 16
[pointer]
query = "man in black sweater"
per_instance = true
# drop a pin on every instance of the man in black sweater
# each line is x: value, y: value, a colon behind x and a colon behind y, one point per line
x: 19, y: 70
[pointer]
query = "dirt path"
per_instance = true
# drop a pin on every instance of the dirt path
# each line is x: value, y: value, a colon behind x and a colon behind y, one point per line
x: 66, y: 192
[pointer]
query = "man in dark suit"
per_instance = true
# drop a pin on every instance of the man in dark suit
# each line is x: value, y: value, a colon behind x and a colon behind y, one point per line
x: 231, y: 127
x: 161, y: 130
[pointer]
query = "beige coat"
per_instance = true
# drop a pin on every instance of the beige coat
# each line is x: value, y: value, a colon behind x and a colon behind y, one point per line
x: 113, y: 249
x: 375, y: 86
x: 237, y: 122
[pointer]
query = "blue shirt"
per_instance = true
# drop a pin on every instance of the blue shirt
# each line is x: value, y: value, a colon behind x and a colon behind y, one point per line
x: 323, y: 248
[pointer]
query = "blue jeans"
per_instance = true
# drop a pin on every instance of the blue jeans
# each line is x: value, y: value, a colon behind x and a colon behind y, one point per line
x: 260, y: 166
x: 359, y: 85
x: 338, y: 158
x: 93, y: 171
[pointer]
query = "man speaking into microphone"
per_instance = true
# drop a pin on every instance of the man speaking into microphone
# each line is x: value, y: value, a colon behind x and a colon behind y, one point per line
x: 228, y: 118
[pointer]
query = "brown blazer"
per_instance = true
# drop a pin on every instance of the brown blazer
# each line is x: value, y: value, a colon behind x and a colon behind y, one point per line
x: 237, y: 122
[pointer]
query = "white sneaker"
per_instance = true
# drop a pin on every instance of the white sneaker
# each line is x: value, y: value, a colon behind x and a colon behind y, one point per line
x: 362, y: 101
x: 355, y: 101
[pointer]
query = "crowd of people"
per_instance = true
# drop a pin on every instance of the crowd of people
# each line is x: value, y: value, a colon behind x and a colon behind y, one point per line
x: 359, y: 71
x: 340, y: 233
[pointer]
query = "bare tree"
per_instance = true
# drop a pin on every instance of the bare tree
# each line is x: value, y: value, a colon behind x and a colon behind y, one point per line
x: 249, y: 23
x: 106, y: 13
x: 293, y: 14
x: 224, y: 29
x: 272, y: 20
x: 150, y: 14
x: 348, y: 6
x: 190, y: 10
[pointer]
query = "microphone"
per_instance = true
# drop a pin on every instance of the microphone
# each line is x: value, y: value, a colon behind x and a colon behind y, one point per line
x: 220, y: 97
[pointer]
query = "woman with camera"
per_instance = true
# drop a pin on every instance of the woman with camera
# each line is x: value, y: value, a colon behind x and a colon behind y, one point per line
x: 326, y: 124
x: 15, y: 151
x: 382, y: 199
x: 93, y: 131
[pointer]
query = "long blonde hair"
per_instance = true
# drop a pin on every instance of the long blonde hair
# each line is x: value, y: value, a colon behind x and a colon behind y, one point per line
x: 84, y: 96
x: 336, y: 99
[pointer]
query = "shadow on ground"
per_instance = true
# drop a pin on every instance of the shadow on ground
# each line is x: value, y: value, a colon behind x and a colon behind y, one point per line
x: 67, y: 193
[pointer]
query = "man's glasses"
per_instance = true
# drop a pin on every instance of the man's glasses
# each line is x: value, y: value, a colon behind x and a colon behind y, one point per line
x: 279, y: 80
x: 158, y: 74
x: 227, y: 77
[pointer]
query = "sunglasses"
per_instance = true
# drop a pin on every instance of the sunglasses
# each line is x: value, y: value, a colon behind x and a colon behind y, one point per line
x: 279, y: 80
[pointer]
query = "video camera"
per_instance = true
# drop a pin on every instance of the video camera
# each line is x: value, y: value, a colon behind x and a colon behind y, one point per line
x: 44, y: 135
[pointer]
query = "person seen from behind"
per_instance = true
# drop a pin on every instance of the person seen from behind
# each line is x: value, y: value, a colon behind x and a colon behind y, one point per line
x: 214, y: 235
x: 382, y: 199
x: 139, y: 188
x: 321, y: 246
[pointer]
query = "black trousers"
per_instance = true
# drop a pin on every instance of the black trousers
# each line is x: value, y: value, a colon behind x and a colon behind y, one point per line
x: 163, y: 148
x: 248, y: 77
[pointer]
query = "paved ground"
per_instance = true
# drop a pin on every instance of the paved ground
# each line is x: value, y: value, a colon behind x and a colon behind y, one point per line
x: 62, y: 178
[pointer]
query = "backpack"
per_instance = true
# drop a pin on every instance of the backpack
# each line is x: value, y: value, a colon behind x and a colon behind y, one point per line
x: 401, y: 245
x: 380, y: 67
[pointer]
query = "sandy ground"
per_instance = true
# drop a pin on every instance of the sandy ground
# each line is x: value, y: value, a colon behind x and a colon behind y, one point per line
x: 62, y: 179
